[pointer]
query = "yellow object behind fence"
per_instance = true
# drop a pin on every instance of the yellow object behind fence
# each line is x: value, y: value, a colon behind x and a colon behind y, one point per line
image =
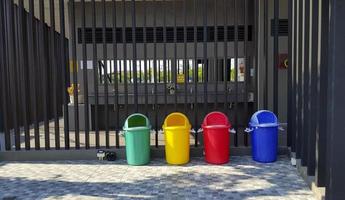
x: 176, y: 133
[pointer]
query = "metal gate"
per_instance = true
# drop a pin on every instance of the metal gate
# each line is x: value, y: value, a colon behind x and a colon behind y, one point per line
x: 153, y: 57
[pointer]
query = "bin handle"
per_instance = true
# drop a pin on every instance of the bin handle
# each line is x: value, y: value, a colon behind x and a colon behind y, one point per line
x: 200, y: 130
x: 281, y: 128
x: 122, y: 134
x: 248, y: 130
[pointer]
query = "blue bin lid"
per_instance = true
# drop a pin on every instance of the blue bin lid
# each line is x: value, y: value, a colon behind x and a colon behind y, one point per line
x: 264, y: 118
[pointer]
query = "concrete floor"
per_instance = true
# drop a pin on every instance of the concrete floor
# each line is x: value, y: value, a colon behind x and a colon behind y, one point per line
x: 242, y: 178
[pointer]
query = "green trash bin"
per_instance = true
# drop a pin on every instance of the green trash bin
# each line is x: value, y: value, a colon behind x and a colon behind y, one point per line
x: 137, y: 136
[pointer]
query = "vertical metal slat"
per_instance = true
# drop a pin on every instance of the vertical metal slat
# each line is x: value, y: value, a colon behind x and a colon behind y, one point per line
x: 75, y: 76
x: 216, y: 54
x: 95, y: 74
x: 105, y: 64
x: 236, y: 70
x: 275, y: 57
x: 55, y: 74
x: 85, y: 78
x: 135, y: 67
x: 4, y: 81
x: 246, y: 69
x: 116, y: 86
x: 195, y: 77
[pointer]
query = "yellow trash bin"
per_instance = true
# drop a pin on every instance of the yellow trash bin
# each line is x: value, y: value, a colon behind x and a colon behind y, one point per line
x: 176, y: 129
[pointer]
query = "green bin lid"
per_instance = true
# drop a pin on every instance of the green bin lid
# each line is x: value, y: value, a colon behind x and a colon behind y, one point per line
x: 137, y: 121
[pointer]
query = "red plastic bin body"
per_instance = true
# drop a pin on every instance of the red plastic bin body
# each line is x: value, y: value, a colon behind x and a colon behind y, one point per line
x: 216, y: 138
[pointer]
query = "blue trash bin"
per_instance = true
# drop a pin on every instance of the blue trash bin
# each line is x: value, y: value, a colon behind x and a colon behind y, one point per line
x: 264, y: 134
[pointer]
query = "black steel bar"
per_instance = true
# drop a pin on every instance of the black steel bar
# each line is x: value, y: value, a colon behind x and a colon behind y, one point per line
x: 134, y: 46
x: 75, y: 76
x: 246, y: 68
x: 145, y: 59
x: 295, y: 78
x: 205, y: 72
x: 306, y: 78
x: 13, y: 65
x: 336, y: 163
x: 225, y: 63
x: 116, y: 85
x: 55, y: 73
x: 124, y: 43
x: 236, y: 71
x: 265, y: 90
x: 216, y: 54
x: 105, y: 64
x: 291, y: 77
x: 23, y: 74
x: 290, y: 94
x: 195, y: 78
x: 33, y: 66
x: 38, y: 73
x: 155, y: 69
x: 313, y: 84
x: 256, y: 49
x: 65, y: 74
x: 3, y: 72
x: 323, y: 56
x: 95, y: 74
x: 176, y: 62
x: 299, y: 83
x: 164, y: 58
x: 276, y: 57
x: 185, y: 61
x: 85, y: 77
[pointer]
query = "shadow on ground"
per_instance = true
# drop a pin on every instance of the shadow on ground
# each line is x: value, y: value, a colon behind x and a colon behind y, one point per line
x: 241, y: 179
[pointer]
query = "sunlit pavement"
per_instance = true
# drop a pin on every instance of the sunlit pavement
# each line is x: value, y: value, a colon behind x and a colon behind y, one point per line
x: 242, y: 178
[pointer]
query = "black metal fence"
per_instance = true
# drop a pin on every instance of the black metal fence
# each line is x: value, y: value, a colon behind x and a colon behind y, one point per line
x: 33, y: 74
x: 153, y: 57
x: 316, y: 88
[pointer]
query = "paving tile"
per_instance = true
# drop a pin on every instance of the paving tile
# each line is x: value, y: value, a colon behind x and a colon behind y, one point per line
x: 242, y: 178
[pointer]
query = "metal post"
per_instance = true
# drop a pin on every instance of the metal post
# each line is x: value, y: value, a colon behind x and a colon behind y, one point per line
x: 75, y: 76
x: 64, y: 71
x: 336, y: 72
x: 105, y: 64
x: 276, y: 57
x: 95, y: 73
x: 116, y: 86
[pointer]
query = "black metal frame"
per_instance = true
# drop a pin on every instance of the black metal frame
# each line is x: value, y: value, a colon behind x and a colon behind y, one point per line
x: 315, y: 116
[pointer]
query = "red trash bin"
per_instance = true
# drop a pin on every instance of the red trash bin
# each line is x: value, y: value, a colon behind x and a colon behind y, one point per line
x: 216, y: 138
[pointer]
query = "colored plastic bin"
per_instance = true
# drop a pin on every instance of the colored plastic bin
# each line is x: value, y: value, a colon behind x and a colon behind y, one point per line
x: 176, y: 129
x: 137, y: 137
x: 264, y: 134
x: 216, y: 138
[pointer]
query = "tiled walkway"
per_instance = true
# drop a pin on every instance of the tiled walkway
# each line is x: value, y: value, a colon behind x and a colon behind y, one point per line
x: 240, y: 179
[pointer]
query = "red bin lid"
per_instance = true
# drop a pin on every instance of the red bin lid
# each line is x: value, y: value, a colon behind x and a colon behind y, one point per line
x: 216, y: 120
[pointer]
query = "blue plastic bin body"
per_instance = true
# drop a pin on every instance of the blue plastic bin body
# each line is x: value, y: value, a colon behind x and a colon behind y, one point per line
x: 264, y: 136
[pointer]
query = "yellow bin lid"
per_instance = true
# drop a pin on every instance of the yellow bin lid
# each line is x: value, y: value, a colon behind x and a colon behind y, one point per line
x: 176, y: 120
